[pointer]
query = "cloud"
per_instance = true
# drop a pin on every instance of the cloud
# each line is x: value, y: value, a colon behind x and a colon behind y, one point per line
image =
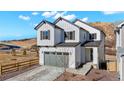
x: 35, y: 13
x: 59, y: 14
x: 111, y: 12
x: 85, y: 19
x: 55, y: 15
x: 69, y: 17
x: 35, y: 24
x: 24, y: 17
x: 63, y: 14
x: 49, y: 14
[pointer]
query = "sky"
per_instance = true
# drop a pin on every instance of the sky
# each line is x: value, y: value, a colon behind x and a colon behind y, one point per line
x: 15, y: 25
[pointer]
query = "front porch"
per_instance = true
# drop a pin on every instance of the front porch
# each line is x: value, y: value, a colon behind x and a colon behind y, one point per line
x: 92, y: 52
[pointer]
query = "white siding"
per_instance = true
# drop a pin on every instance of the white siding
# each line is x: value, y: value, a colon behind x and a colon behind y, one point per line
x: 46, y: 42
x: 121, y: 67
x: 122, y: 37
x: 118, y: 40
x: 89, y: 29
x: 120, y: 51
x: 59, y: 36
x: 120, y: 61
x: 78, y: 55
x: 83, y: 36
x: 95, y: 56
x: 101, y: 50
x: 83, y: 55
x: 69, y: 27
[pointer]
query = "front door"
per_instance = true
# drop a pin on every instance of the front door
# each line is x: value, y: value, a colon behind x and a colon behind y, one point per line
x: 91, y: 54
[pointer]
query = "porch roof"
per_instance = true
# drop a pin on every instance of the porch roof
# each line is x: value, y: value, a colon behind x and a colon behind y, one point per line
x: 91, y: 44
x: 68, y: 44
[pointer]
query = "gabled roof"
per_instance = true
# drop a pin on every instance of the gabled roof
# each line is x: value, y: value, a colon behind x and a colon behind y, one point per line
x: 60, y: 18
x: 88, y: 25
x: 45, y: 21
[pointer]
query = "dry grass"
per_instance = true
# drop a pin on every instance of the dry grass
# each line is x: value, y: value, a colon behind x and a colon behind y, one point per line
x: 6, y: 57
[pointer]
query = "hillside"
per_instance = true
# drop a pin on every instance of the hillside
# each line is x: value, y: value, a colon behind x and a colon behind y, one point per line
x: 108, y: 29
x: 24, y: 42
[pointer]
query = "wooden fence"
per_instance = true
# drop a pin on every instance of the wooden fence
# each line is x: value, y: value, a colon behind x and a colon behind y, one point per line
x: 12, y: 67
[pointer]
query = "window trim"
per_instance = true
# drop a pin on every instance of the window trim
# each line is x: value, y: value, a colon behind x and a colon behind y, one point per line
x: 93, y: 36
x: 69, y: 35
x: 45, y: 35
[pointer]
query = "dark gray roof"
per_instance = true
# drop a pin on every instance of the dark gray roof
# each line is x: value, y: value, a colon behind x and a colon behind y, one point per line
x: 60, y: 18
x: 91, y: 44
x: 45, y: 21
x: 67, y: 44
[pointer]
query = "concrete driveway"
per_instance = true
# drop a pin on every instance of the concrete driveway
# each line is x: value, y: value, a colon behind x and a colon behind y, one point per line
x: 42, y: 73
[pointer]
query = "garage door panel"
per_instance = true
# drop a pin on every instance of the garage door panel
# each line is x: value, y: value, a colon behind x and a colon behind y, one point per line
x: 59, y: 60
x: 52, y: 59
x: 66, y: 58
x: 46, y: 55
x: 56, y: 59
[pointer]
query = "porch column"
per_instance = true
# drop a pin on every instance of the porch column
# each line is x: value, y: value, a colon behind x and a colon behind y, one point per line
x: 95, y: 56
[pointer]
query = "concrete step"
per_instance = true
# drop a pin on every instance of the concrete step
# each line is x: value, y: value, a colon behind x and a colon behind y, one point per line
x: 83, y: 70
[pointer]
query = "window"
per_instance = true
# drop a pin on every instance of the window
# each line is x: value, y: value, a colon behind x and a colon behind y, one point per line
x: 93, y: 36
x: 65, y: 53
x: 46, y: 52
x: 59, y: 53
x: 45, y: 35
x: 70, y: 35
x: 53, y: 53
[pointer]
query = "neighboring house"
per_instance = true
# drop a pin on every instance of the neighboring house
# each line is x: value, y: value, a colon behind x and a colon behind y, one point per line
x: 69, y: 44
x: 120, y: 48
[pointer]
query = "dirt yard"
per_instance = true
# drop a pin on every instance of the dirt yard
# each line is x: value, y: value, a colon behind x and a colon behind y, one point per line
x: 93, y: 75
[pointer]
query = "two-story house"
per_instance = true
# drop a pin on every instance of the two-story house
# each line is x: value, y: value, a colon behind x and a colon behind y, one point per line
x: 69, y: 44
x: 119, y: 31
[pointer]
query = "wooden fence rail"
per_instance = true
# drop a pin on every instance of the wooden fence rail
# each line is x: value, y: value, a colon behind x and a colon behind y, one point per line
x: 12, y: 67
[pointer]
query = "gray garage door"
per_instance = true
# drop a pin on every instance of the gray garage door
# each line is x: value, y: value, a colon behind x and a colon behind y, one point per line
x: 59, y: 59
